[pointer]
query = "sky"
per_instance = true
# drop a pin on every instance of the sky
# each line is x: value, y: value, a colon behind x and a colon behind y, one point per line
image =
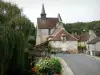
x: 70, y: 10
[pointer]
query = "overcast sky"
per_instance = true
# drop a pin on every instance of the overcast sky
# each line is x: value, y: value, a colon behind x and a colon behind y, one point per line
x: 70, y: 10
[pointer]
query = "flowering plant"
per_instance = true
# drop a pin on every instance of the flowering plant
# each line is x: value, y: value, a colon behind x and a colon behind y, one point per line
x: 51, y: 65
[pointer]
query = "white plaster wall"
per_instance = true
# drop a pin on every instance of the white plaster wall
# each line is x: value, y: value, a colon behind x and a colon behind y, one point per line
x: 38, y: 37
x: 68, y: 45
x: 43, y: 32
x: 91, y: 47
x: 92, y: 35
x: 97, y: 46
x: 42, y: 35
x: 87, y: 46
x: 44, y: 38
x: 38, y: 40
x: 52, y: 30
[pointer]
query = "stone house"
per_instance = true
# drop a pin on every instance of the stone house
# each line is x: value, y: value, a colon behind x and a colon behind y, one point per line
x: 52, y: 29
x: 82, y: 41
x: 94, y: 44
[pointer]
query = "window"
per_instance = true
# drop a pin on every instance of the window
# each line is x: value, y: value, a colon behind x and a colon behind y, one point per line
x: 64, y: 38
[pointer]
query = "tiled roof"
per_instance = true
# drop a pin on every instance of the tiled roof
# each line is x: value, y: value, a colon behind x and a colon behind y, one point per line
x: 83, y: 37
x: 62, y: 31
x: 47, y: 23
x: 97, y: 39
x: 57, y: 30
x: 50, y: 36
x: 77, y: 36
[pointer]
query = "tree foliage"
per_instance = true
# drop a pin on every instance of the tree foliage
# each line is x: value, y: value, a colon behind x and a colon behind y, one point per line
x: 80, y: 26
x: 15, y: 28
x: 96, y: 28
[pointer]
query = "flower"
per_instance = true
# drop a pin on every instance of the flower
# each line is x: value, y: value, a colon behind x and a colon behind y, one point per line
x: 34, y: 69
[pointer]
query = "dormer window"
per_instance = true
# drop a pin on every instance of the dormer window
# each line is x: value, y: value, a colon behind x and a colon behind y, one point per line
x: 63, y: 37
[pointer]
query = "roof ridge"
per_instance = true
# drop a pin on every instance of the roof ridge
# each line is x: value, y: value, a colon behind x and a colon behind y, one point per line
x: 65, y: 32
x: 70, y: 34
x: 57, y: 33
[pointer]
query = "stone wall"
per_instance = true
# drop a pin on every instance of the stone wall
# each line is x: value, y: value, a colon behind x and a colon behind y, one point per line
x: 42, y: 35
x: 97, y: 46
x: 64, y: 46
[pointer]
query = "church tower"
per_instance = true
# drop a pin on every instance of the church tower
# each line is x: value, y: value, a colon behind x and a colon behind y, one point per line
x: 43, y: 14
x: 45, y: 26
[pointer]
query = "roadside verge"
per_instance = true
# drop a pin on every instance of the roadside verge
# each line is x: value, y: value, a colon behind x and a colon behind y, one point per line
x: 65, y: 69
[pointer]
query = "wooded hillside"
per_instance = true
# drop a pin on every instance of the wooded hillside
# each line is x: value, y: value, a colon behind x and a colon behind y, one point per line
x: 79, y: 27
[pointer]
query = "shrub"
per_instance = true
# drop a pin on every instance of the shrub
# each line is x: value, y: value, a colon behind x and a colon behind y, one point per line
x: 48, y: 65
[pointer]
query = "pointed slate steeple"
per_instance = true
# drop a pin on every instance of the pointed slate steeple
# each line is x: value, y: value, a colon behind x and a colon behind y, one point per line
x: 60, y: 21
x: 43, y: 14
x: 59, y: 18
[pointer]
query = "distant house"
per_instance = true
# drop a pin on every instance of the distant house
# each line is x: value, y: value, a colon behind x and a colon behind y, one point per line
x: 52, y: 29
x: 92, y: 35
x: 82, y: 41
x: 63, y: 41
x: 94, y: 44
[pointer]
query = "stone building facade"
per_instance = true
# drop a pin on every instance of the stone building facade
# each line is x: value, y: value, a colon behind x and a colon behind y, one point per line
x: 52, y: 29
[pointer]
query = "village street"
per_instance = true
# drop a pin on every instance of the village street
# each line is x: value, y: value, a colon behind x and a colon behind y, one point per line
x: 82, y: 64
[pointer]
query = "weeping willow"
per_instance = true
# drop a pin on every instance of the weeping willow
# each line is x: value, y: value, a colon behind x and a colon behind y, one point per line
x: 13, y: 41
x: 11, y: 51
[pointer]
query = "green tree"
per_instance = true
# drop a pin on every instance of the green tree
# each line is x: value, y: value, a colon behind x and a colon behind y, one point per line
x: 80, y: 26
x: 96, y: 28
x: 15, y: 28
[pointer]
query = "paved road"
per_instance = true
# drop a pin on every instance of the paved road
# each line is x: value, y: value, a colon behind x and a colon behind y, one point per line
x: 82, y: 64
